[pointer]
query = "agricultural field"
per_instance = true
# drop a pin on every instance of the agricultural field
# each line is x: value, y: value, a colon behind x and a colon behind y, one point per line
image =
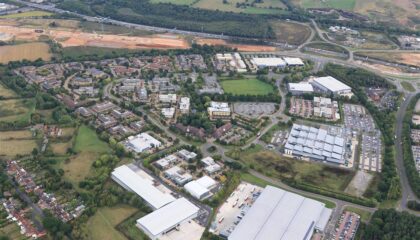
x: 102, y: 225
x: 88, y: 148
x: 246, y: 87
x: 29, y: 14
x: 16, y: 142
x: 339, y: 4
x: 29, y: 51
x: 409, y: 58
x: 16, y: 109
x: 272, y: 164
x: 393, y: 11
x: 80, y: 51
x: 176, y: 2
x: 6, y: 93
x: 242, y: 6
x: 291, y: 33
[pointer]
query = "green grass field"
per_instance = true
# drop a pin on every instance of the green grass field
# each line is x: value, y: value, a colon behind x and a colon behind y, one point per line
x: 89, y: 148
x: 129, y: 228
x: 28, y: 14
x: 273, y: 165
x: 88, y: 141
x: 102, y: 225
x: 266, y: 7
x: 292, y: 33
x: 262, y: 183
x: 6, y: 93
x: 16, y: 110
x: 340, y: 4
x: 408, y: 86
x: 75, y: 52
x: 246, y: 87
x: 176, y: 2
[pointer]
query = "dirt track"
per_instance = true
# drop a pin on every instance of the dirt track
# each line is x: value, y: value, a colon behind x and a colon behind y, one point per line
x: 77, y: 38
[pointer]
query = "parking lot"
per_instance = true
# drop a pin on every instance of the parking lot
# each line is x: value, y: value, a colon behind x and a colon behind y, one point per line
x: 254, y: 109
x: 358, y: 121
x: 357, y: 118
x: 234, y: 208
x: 347, y: 226
x: 371, y: 154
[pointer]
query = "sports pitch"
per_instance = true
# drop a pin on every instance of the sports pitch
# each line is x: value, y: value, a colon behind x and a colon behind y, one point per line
x: 246, y: 87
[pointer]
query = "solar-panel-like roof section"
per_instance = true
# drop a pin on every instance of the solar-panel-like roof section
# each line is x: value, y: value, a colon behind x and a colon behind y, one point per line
x: 315, y: 143
x: 280, y: 215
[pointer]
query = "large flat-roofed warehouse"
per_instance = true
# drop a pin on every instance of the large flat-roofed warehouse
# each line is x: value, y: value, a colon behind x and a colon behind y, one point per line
x: 316, y: 144
x: 145, y: 188
x: 300, y: 88
x: 269, y: 62
x: 167, y: 218
x: 330, y: 85
x: 281, y: 215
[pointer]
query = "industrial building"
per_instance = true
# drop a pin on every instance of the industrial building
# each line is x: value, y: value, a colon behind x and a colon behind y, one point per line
x: 146, y: 188
x: 201, y: 187
x: 316, y: 144
x: 330, y: 85
x: 300, y: 88
x: 268, y: 62
x: 210, y: 166
x: 178, y: 175
x: 281, y: 215
x: 168, y: 218
x: 229, y: 62
x: 141, y: 142
x: 219, y: 110
x: 293, y: 62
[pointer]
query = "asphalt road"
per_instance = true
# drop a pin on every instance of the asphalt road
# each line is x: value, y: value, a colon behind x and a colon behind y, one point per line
x: 407, y: 192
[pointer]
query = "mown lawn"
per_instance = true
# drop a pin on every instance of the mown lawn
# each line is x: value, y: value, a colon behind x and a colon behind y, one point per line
x: 87, y: 140
x: 246, y: 87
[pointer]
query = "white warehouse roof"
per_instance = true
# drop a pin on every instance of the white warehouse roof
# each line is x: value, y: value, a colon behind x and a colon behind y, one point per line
x: 280, y: 215
x: 269, y: 62
x: 200, y: 187
x: 141, y: 186
x: 332, y: 84
x: 293, y: 61
x: 301, y: 87
x: 168, y: 216
x: 142, y: 142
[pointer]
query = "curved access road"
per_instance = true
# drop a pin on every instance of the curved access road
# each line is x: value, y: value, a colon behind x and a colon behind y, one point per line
x: 407, y: 192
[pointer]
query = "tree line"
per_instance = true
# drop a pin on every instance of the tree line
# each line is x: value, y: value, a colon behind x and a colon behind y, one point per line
x: 358, y: 79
